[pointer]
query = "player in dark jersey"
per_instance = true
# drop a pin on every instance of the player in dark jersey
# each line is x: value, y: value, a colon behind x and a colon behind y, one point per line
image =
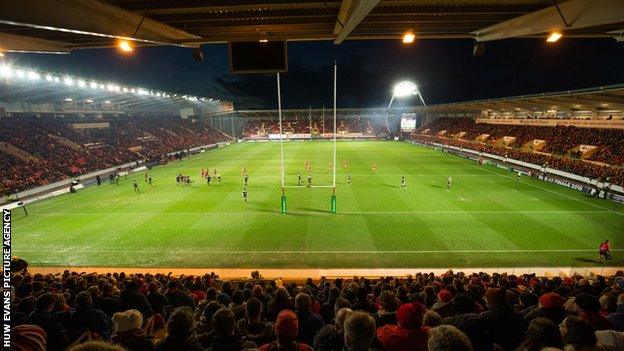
x: 149, y: 179
x: 309, y: 180
x: 298, y: 178
x: 208, y: 179
x: 135, y: 185
x: 349, y: 179
x: 245, y: 194
x: 403, y: 183
x: 246, y: 179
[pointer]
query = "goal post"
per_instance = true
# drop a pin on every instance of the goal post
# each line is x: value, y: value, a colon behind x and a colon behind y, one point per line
x: 283, y: 200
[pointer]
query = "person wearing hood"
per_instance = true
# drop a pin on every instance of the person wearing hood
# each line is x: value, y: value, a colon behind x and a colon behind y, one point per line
x: 409, y: 334
x: 550, y: 306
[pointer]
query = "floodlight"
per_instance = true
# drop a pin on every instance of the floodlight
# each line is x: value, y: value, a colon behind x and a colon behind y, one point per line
x: 125, y: 46
x: 68, y: 81
x: 57, y: 79
x: 102, y: 86
x: 82, y: 83
x: 109, y: 87
x: 405, y: 88
x: 554, y: 37
x: 68, y: 99
x: 106, y: 101
x: 49, y: 78
x: 93, y: 85
x: 33, y: 75
x: 5, y: 71
x: 409, y: 37
x: 125, y: 90
x: 1, y: 54
x: 20, y: 73
x: 89, y: 100
x: 133, y: 90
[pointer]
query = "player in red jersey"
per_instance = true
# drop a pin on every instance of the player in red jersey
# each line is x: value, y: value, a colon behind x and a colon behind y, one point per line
x: 604, y: 252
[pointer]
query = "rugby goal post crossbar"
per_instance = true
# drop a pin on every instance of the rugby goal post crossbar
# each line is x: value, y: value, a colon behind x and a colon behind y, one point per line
x: 283, y: 208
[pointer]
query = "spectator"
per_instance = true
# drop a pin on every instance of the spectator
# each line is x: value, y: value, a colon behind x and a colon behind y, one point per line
x: 27, y: 337
x: 541, y: 333
x: 588, y: 308
x: 131, y: 298
x: 281, y: 301
x: 128, y: 333
x: 331, y: 337
x: 286, y: 330
x: 359, y: 331
x: 309, y: 322
x: 87, y: 316
x: 444, y: 304
x: 177, y: 297
x: 156, y: 298
x: 96, y: 346
x: 51, y: 322
x: 388, y: 305
x: 617, y: 318
x: 226, y: 338
x: 578, y: 335
x: 505, y: 326
x: 550, y: 306
x: 611, y: 340
x: 409, y: 334
x: 448, y: 338
x: 179, y: 331
x: 431, y: 319
x: 470, y: 323
x: 252, y: 326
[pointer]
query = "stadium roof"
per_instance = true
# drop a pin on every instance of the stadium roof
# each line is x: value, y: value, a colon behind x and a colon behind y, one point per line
x: 61, y: 25
x: 591, y: 99
x: 30, y: 90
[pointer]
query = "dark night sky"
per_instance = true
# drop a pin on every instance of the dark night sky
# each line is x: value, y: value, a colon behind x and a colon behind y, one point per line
x: 445, y: 70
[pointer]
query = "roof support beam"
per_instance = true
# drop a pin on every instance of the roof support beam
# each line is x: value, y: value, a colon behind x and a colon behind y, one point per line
x: 89, y: 17
x: 578, y: 14
x: 19, y: 43
x: 351, y: 13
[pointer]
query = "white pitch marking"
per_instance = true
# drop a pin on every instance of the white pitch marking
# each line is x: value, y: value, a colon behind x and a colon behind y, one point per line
x: 207, y: 250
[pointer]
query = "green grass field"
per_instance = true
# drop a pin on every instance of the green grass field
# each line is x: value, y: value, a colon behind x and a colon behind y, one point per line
x: 487, y: 219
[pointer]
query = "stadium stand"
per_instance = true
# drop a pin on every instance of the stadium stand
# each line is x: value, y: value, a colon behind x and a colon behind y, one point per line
x: 560, y: 150
x: 38, y: 151
x: 301, y: 125
x: 167, y: 312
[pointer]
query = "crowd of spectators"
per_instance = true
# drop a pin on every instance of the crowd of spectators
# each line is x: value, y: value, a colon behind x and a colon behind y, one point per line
x: 454, y: 311
x: 301, y: 125
x: 53, y: 150
x: 558, y: 141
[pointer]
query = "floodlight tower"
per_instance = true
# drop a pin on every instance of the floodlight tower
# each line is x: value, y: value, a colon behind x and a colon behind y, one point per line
x: 403, y: 89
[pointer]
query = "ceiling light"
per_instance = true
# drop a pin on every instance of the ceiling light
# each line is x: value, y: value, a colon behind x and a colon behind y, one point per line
x: 264, y: 40
x: 125, y: 46
x: 554, y: 37
x: 409, y: 37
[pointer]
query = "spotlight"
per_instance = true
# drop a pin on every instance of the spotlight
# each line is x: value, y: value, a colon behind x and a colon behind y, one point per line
x: 89, y: 100
x: 68, y: 99
x: 49, y: 78
x: 263, y: 41
x: 93, y: 85
x: 20, y: 73
x: 82, y: 83
x: 125, y: 46
x: 554, y: 37
x: 5, y: 71
x: 409, y: 37
x: 32, y: 75
x: 69, y: 81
